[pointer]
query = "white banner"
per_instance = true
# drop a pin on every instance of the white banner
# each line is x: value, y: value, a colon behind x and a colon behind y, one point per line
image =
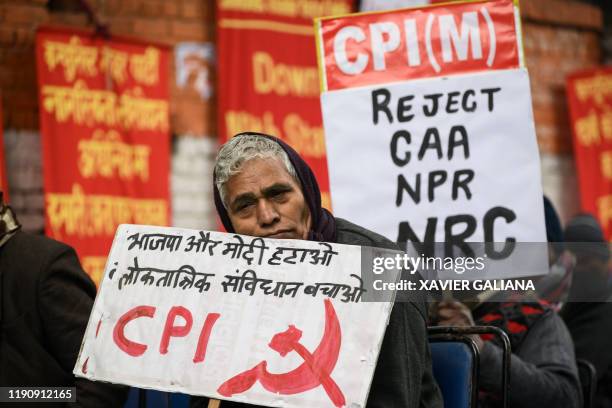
x: 378, y: 5
x: 269, y: 322
x: 450, y: 159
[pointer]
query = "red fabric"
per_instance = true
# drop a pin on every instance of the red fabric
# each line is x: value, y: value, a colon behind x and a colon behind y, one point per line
x: 267, y: 65
x: 590, y: 105
x: 529, y: 310
x: 515, y: 327
x: 491, y: 317
x: 105, y: 138
x: 514, y: 318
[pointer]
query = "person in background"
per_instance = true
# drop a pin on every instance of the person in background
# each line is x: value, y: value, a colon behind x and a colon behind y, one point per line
x: 588, y: 310
x: 45, y: 301
x: 554, y: 286
x: 543, y: 369
x: 263, y: 188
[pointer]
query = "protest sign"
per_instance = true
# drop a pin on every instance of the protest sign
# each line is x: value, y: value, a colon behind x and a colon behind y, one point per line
x: 223, y: 315
x: 104, y: 123
x: 589, y: 96
x: 456, y: 162
x: 268, y: 67
x: 381, y: 47
x: 449, y: 159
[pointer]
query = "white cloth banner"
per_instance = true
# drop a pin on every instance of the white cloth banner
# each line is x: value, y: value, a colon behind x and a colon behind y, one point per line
x: 438, y: 160
x: 269, y: 322
x: 378, y: 5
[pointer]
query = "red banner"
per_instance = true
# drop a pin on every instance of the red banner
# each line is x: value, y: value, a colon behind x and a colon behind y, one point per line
x: 589, y: 96
x: 105, y: 138
x: 389, y: 46
x: 268, y: 77
x: 3, y: 180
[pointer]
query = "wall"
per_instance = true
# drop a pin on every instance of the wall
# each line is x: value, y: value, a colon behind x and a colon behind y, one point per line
x: 560, y: 36
x: 168, y: 22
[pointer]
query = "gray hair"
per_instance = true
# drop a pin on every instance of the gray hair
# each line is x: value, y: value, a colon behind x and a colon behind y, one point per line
x: 239, y: 150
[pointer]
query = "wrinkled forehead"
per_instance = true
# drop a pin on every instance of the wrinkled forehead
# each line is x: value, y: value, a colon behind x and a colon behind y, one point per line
x: 280, y: 161
x: 259, y: 174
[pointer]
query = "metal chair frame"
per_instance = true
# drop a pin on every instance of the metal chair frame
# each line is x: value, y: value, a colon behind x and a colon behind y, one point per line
x: 588, y: 388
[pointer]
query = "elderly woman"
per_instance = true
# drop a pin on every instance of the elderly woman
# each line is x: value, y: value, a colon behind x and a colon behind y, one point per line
x: 264, y: 188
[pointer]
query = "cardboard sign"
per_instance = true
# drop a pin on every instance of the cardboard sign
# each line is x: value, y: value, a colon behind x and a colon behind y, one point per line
x: 224, y: 315
x: 589, y: 96
x: 438, y: 160
x: 382, y: 47
x: 429, y: 129
x: 104, y: 123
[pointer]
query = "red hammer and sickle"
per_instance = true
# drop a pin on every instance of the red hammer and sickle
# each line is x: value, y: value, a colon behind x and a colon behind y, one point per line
x: 314, y: 371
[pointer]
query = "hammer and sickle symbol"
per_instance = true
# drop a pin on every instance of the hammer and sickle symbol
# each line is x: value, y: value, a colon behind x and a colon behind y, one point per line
x: 314, y: 371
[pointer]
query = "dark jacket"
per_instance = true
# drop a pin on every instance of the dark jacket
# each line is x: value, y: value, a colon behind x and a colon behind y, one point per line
x: 403, y: 377
x: 45, y: 303
x: 590, y: 325
x: 543, y: 369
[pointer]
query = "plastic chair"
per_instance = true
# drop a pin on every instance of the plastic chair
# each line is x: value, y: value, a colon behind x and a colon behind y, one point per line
x: 588, y: 380
x: 455, y: 360
x: 455, y: 367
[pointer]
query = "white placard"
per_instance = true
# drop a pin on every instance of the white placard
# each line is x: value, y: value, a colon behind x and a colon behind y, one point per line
x: 205, y: 313
x: 466, y: 170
